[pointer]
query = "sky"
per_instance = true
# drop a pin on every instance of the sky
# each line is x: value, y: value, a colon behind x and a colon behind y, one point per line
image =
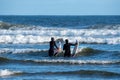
x: 59, y: 7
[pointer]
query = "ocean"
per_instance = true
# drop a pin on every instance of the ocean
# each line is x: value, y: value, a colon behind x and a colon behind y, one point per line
x: 24, y: 44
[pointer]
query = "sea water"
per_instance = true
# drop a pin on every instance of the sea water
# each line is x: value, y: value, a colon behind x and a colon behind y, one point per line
x: 24, y: 44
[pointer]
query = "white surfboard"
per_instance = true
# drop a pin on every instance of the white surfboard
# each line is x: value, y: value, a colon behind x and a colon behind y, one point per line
x: 75, y: 49
x: 59, y: 50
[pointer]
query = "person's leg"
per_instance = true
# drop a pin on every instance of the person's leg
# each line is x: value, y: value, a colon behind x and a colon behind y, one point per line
x: 65, y: 55
x: 51, y: 52
x: 69, y: 54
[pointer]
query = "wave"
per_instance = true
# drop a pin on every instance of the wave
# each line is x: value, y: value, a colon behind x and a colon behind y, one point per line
x: 38, y: 36
x: 24, y: 34
x: 87, y: 73
x: 85, y: 51
x: 103, y: 26
x: 64, y: 61
x: 7, y: 25
x: 3, y: 59
x: 6, y: 72
x: 22, y: 51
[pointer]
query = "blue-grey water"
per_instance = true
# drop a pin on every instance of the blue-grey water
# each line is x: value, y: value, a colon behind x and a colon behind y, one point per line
x: 24, y: 44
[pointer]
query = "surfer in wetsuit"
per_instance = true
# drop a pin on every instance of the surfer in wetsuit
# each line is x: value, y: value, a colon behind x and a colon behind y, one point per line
x: 66, y: 48
x: 52, y: 44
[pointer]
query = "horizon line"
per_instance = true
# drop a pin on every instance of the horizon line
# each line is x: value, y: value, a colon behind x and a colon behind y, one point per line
x: 54, y: 15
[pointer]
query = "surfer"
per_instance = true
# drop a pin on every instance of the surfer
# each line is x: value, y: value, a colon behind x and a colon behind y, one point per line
x: 51, y: 49
x: 66, y: 48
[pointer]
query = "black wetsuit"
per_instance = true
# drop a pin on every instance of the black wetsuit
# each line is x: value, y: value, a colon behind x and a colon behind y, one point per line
x: 51, y: 50
x: 66, y: 47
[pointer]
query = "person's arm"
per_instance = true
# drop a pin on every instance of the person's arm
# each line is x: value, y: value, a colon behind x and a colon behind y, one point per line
x: 73, y: 44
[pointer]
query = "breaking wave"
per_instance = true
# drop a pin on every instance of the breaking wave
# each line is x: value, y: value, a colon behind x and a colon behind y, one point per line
x: 64, y: 61
x: 22, y: 51
x: 6, y: 72
x: 23, y: 34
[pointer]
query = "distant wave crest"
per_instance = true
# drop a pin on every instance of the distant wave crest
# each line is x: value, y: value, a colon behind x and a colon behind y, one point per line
x: 7, y: 25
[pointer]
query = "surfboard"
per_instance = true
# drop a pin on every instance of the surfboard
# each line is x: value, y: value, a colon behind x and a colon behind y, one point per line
x: 75, y: 49
x: 59, y: 50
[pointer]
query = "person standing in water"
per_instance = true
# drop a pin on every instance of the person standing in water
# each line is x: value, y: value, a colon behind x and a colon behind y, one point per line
x: 66, y: 48
x: 52, y: 45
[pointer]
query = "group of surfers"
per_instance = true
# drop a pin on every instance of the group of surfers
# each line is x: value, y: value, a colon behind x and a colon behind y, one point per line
x: 66, y: 48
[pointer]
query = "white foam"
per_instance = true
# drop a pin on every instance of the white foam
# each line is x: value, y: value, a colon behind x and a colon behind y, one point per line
x: 44, y: 34
x: 17, y: 51
x: 7, y: 72
x: 78, y: 61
